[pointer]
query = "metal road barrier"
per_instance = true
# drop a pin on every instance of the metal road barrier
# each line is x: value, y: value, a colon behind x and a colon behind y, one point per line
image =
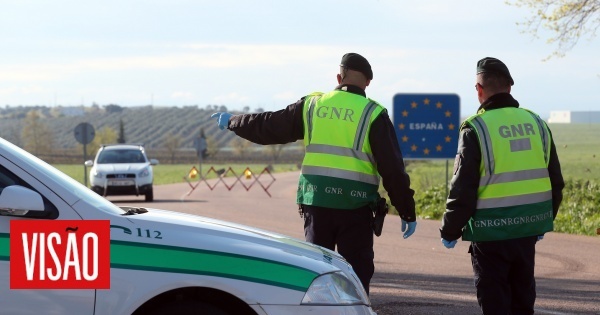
x: 247, y: 174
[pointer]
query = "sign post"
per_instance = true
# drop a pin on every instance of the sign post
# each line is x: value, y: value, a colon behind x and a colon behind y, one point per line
x: 201, y: 146
x: 427, y: 125
x: 84, y: 134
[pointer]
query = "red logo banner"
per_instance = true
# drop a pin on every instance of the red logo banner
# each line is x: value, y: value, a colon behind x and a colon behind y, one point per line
x: 59, y: 254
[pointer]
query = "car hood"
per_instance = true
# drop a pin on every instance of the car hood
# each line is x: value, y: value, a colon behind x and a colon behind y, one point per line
x: 193, y: 232
x: 124, y: 167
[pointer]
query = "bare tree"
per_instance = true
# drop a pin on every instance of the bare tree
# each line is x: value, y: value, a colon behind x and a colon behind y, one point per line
x: 172, y: 144
x: 14, y: 134
x: 241, y: 146
x: 36, y: 135
x: 567, y: 20
x: 275, y: 151
x: 212, y: 147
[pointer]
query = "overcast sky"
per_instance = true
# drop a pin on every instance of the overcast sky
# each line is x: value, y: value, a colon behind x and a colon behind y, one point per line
x: 269, y: 53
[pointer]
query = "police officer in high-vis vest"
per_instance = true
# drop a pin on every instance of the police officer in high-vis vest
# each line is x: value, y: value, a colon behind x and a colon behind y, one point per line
x: 505, y: 193
x: 350, y: 142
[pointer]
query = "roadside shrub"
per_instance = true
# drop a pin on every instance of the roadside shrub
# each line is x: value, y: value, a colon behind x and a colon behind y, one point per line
x: 579, y: 212
x: 431, y: 203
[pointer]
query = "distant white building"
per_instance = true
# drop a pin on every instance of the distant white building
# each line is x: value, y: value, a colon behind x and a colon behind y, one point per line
x: 570, y: 117
x: 73, y: 111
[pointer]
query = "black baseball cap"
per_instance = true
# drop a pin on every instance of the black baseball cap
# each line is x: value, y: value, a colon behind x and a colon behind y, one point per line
x: 489, y: 64
x: 354, y: 61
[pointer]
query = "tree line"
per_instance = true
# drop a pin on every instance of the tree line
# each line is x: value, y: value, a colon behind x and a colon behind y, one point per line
x: 171, y: 132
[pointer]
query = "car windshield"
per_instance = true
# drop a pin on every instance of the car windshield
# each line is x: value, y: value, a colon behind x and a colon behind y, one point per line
x: 121, y: 156
x: 60, y: 178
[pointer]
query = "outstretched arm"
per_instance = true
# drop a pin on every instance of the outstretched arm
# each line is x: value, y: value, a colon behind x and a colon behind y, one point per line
x: 282, y: 126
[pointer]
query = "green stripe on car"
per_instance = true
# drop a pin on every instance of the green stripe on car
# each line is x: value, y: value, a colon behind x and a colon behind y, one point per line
x: 4, y: 246
x: 173, y: 259
x: 151, y: 257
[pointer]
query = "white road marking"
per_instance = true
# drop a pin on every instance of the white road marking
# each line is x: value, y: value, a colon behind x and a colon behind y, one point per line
x: 462, y: 297
x: 543, y: 311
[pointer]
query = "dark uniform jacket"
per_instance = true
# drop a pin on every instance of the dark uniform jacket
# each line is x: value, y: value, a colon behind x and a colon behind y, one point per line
x: 462, y: 199
x: 287, y: 125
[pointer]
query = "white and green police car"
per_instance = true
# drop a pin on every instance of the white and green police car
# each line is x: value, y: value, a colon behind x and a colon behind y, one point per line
x: 164, y: 262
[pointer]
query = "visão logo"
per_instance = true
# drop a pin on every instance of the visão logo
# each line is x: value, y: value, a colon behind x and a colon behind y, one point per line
x: 59, y: 254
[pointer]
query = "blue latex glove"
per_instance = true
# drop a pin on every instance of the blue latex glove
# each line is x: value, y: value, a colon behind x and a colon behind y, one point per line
x: 408, y: 228
x: 448, y: 244
x: 222, y: 119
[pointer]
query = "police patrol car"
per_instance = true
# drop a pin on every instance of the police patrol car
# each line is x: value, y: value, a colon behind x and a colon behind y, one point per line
x: 163, y: 262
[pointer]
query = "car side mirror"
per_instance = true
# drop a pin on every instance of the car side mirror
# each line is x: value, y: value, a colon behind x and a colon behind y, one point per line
x: 89, y: 163
x: 18, y: 201
x: 153, y: 162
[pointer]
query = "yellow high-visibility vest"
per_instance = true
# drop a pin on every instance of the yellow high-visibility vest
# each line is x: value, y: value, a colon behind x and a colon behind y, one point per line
x: 515, y: 194
x: 338, y: 170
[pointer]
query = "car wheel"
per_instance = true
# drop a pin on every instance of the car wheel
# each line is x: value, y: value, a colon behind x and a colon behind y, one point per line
x: 188, y: 308
x: 149, y: 195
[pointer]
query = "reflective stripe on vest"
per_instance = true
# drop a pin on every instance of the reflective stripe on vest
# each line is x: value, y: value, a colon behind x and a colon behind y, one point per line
x: 309, y: 114
x: 365, y: 119
x: 514, y: 195
x: 341, y: 151
x: 332, y: 172
x: 339, y: 161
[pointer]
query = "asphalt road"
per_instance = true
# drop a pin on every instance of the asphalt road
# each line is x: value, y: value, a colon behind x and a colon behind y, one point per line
x: 413, y: 276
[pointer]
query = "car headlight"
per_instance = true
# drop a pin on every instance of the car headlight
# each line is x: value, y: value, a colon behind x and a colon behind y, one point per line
x: 334, y: 288
x: 145, y: 172
x: 97, y: 174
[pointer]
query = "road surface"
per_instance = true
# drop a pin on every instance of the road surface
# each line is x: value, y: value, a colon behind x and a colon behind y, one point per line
x: 413, y: 276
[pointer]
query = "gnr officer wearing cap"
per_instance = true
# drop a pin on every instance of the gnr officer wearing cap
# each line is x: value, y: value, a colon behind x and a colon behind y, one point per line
x: 505, y: 193
x: 349, y: 143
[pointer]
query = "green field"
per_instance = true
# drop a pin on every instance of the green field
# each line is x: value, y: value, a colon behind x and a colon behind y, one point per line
x: 578, y: 148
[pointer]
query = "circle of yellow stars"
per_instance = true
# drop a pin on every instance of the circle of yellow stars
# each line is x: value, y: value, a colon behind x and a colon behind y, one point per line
x: 450, y: 126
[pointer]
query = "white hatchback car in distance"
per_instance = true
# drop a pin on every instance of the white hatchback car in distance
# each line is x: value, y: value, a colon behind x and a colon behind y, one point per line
x: 122, y: 169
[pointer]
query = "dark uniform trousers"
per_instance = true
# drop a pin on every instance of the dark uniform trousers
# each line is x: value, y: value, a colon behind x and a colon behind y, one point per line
x: 504, y: 275
x: 350, y: 230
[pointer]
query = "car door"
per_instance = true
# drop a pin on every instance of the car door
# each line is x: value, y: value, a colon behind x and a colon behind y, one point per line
x: 25, y: 301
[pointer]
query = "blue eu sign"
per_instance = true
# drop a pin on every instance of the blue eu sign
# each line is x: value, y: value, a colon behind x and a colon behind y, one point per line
x: 427, y: 125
